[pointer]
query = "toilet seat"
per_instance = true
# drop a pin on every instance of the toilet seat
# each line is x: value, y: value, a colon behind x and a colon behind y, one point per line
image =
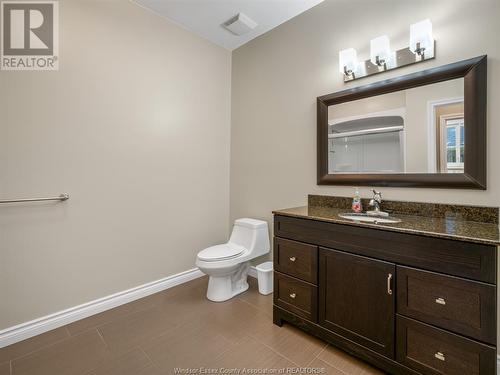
x: 220, y: 252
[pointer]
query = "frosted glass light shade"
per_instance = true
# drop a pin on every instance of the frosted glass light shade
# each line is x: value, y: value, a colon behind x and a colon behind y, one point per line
x: 348, y: 60
x: 381, y: 47
x: 421, y: 32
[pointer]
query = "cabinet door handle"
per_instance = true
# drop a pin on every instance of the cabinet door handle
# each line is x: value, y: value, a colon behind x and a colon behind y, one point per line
x: 441, y: 301
x: 293, y: 295
x: 293, y: 259
x: 440, y: 356
x: 389, y: 288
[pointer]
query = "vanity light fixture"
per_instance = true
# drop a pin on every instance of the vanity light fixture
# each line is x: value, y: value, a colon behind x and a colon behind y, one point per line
x: 421, y: 39
x: 348, y: 62
x: 380, y: 50
x: 382, y: 58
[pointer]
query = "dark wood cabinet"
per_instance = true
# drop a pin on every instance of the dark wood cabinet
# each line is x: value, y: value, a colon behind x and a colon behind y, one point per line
x: 406, y: 303
x: 356, y: 299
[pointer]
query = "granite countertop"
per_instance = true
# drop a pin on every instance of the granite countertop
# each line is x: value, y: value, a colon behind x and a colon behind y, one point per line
x: 451, y: 227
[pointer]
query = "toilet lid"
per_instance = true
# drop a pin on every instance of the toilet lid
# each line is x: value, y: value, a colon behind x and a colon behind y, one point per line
x: 220, y: 252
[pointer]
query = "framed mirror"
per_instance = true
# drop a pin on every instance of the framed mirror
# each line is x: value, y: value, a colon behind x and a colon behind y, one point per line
x: 426, y: 129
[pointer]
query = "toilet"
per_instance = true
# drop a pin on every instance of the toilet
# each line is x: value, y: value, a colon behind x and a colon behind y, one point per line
x: 227, y: 265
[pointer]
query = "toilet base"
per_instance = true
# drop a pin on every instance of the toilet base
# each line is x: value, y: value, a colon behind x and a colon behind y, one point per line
x: 224, y: 287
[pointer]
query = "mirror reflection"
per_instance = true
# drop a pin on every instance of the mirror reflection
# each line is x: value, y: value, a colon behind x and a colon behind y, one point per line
x: 419, y: 130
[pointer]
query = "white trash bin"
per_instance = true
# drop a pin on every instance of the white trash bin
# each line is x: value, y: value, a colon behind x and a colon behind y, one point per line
x: 265, y: 277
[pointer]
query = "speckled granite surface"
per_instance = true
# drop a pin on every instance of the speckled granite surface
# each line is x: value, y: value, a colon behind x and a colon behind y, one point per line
x: 434, y: 220
x: 480, y: 214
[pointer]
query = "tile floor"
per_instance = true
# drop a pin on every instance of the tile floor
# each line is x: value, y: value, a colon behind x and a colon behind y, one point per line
x: 177, y: 328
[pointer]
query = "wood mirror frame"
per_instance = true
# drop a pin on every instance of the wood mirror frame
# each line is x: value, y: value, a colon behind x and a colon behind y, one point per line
x: 474, y: 177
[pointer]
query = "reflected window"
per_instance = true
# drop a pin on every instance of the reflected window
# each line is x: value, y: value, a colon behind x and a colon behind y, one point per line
x: 455, y: 145
x: 450, y: 136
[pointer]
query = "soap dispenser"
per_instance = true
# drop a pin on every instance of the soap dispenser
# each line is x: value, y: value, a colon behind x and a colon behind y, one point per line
x: 356, y: 202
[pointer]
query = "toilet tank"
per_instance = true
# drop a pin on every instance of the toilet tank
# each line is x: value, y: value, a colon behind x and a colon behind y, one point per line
x: 252, y: 234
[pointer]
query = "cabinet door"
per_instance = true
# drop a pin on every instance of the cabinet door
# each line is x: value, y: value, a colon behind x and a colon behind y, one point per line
x: 356, y: 299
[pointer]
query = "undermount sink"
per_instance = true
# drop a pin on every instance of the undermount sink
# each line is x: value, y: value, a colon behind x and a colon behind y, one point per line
x: 370, y: 218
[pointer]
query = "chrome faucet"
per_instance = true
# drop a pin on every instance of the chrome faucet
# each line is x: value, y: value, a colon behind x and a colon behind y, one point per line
x: 376, y: 201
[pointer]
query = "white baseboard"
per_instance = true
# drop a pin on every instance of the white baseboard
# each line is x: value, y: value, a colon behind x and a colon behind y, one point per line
x: 44, y: 324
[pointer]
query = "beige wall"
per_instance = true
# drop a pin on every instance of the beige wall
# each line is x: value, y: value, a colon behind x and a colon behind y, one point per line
x: 135, y: 127
x: 277, y: 77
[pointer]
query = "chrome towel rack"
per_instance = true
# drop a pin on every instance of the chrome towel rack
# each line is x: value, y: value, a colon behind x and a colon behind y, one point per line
x: 62, y: 197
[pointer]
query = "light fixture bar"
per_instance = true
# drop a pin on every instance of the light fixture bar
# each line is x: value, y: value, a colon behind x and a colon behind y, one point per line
x: 382, y: 59
x: 403, y: 57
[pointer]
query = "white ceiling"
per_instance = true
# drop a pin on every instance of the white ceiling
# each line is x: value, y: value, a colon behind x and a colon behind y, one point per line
x: 205, y: 17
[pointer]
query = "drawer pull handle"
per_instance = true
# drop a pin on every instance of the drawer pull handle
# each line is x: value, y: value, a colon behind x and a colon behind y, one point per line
x: 440, y: 356
x: 389, y: 288
x: 293, y: 295
x: 441, y: 301
x: 293, y: 259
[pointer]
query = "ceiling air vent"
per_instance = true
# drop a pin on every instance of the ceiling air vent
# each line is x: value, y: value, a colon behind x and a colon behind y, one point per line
x: 240, y: 24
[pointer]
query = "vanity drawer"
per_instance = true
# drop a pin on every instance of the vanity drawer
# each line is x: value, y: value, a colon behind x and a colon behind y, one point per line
x: 461, y: 306
x: 296, y: 296
x: 296, y: 259
x: 432, y: 351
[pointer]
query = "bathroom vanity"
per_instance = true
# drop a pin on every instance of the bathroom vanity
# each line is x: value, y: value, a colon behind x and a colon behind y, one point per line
x: 415, y: 297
